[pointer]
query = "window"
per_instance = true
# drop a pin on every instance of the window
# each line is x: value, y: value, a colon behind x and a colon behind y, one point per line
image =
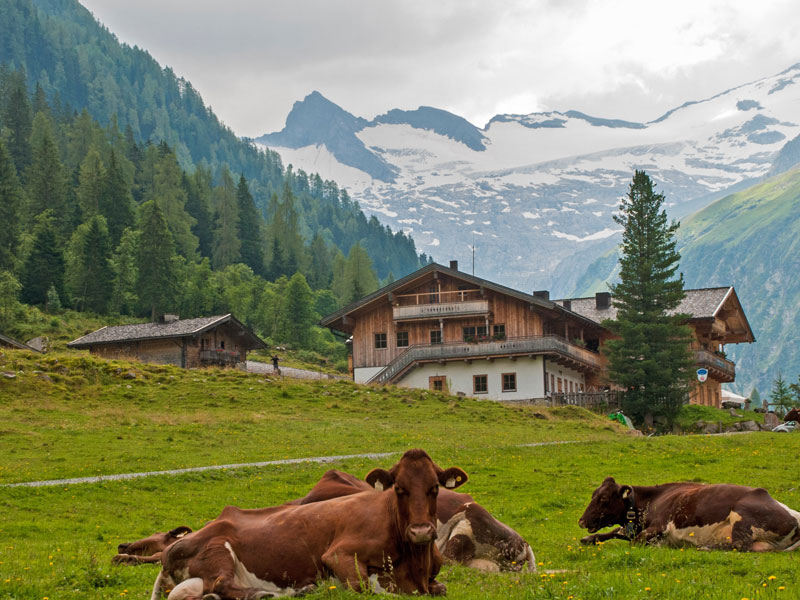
x: 380, y: 340
x: 437, y: 383
x: 552, y: 383
x: 480, y: 384
x: 222, y: 344
x: 433, y: 298
x: 499, y: 332
x: 402, y: 339
x: 509, y: 382
x: 472, y: 333
x: 560, y: 386
x: 436, y: 336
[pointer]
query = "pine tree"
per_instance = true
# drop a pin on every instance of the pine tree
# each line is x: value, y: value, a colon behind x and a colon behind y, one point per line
x: 116, y: 202
x: 90, y: 275
x: 46, y: 180
x: 124, y: 297
x: 10, y: 211
x: 155, y: 264
x: 226, y: 239
x: 320, y: 270
x: 297, y: 312
x: 755, y: 398
x: 250, y: 231
x: 91, y: 184
x: 650, y: 360
x: 18, y: 119
x: 44, y: 266
x: 198, y: 204
x: 167, y: 188
x: 780, y: 398
x: 356, y: 279
x: 9, y: 299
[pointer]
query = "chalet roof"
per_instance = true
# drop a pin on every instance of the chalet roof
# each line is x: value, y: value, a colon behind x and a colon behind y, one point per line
x: 331, y: 319
x: 700, y: 304
x: 153, y: 331
x: 12, y: 343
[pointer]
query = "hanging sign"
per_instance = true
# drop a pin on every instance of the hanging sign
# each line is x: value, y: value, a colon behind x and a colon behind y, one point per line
x: 702, y: 375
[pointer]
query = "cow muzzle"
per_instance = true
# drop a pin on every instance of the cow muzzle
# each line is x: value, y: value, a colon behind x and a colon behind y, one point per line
x: 423, y: 533
x: 122, y: 548
x: 584, y: 525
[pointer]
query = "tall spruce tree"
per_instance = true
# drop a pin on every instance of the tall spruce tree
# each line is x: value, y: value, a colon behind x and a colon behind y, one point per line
x: 250, y: 230
x: 10, y: 210
x: 89, y: 270
x: 155, y: 261
x: 780, y: 398
x: 650, y: 359
x: 227, y: 245
x: 116, y: 201
x: 18, y: 120
x: 44, y: 266
x: 198, y: 205
x: 46, y: 179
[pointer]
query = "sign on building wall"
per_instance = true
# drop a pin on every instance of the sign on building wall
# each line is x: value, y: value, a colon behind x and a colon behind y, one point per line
x: 702, y: 375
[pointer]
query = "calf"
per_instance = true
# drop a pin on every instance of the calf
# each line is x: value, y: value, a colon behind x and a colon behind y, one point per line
x: 369, y: 540
x: 708, y: 516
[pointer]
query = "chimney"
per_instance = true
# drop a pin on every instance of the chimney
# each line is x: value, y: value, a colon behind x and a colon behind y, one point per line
x: 602, y: 300
x: 542, y: 294
x: 567, y: 304
x: 168, y: 318
x: 454, y: 265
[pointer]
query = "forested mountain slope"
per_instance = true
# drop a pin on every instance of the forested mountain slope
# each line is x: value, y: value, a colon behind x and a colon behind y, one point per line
x: 80, y: 64
x: 751, y: 240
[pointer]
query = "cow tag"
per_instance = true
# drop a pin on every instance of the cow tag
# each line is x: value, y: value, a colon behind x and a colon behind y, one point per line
x: 451, y: 483
x: 379, y: 486
x: 626, y: 491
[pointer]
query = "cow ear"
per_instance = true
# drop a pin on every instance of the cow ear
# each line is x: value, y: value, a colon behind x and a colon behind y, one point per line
x: 180, y: 531
x: 380, y: 479
x: 626, y: 491
x: 452, y: 478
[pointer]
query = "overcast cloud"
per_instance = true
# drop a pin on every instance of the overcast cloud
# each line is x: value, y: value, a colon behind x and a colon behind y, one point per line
x: 629, y: 59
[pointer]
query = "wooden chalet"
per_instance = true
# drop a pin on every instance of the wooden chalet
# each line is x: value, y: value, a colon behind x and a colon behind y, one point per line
x: 439, y: 328
x: 443, y: 329
x: 716, y: 319
x: 220, y: 340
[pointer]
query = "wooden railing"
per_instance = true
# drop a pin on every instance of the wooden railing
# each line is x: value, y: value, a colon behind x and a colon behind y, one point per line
x: 443, y: 309
x: 436, y: 297
x: 220, y: 357
x: 705, y: 358
x: 544, y: 344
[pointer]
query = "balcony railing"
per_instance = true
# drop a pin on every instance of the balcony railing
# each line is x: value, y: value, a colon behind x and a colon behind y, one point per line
x: 704, y: 358
x: 220, y: 357
x: 440, y: 310
x: 545, y: 344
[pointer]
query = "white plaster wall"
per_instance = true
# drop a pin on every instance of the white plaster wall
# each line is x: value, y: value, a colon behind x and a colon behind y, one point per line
x: 364, y: 374
x: 566, y: 374
x: 530, y: 377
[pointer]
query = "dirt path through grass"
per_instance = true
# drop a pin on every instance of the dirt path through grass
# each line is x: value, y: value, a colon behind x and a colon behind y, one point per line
x: 285, y: 461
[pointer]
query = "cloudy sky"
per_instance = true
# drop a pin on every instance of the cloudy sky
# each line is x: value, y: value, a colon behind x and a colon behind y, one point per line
x: 629, y: 59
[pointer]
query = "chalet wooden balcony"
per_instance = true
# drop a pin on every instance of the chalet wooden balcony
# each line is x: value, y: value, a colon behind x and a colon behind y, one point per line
x: 439, y: 305
x: 551, y: 345
x: 219, y: 357
x: 719, y: 368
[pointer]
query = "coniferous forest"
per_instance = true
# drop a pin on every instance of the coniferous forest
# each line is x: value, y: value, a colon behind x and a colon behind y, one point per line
x: 121, y: 193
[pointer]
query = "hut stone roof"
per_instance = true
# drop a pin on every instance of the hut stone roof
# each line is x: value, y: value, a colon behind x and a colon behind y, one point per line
x: 12, y: 343
x: 152, y: 331
x: 699, y: 304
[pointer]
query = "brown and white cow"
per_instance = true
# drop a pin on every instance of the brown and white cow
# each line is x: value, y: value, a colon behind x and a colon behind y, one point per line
x: 466, y: 532
x: 792, y: 415
x: 718, y: 516
x: 148, y: 550
x: 367, y: 540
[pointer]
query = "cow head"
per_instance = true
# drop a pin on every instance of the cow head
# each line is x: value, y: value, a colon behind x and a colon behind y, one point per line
x: 415, y: 482
x: 607, y: 506
x: 792, y: 415
x: 154, y: 543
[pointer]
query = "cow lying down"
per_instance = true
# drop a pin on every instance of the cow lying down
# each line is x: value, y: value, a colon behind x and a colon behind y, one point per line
x: 717, y: 516
x: 369, y: 541
x: 465, y: 531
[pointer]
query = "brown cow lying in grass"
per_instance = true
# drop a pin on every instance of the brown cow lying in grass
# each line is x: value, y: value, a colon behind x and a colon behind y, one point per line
x: 372, y: 540
x: 707, y: 516
x: 466, y: 533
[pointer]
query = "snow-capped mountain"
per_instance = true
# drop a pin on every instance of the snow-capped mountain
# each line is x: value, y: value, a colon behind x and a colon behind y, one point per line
x: 536, y: 193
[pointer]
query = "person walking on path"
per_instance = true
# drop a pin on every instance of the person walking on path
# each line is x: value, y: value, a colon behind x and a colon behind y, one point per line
x: 275, y: 367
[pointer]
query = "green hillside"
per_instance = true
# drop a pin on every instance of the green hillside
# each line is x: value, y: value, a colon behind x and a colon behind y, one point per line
x: 79, y: 64
x: 751, y: 240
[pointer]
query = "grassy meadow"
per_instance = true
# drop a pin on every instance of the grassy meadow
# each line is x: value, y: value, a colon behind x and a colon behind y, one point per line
x: 70, y: 415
